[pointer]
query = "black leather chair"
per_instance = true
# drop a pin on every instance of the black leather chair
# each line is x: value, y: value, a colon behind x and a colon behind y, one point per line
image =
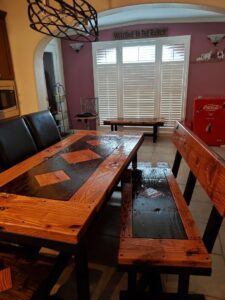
x: 16, y: 142
x: 43, y: 128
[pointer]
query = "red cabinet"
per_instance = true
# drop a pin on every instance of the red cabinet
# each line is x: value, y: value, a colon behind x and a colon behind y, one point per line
x: 209, y: 120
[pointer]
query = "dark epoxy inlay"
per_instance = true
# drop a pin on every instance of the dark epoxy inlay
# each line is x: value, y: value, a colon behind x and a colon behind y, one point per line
x: 27, y: 185
x: 155, y: 214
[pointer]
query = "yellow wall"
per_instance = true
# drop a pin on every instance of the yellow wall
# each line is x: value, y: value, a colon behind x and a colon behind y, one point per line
x: 24, y: 41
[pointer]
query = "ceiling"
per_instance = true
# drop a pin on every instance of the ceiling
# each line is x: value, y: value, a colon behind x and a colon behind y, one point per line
x: 158, y: 13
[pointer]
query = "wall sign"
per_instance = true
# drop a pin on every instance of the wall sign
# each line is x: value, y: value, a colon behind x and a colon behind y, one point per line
x: 140, y: 34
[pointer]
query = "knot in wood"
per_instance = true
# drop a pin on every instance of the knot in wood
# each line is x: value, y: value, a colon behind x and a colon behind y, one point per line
x: 2, y: 208
x: 192, y: 252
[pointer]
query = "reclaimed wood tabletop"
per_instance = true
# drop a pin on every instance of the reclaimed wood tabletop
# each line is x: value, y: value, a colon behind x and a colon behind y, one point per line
x: 53, y: 195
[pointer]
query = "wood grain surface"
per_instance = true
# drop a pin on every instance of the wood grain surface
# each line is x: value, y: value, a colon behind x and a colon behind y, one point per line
x: 60, y: 221
x: 5, y: 279
x: 207, y: 166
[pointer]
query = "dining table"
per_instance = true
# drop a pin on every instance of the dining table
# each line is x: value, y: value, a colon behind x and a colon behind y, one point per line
x: 51, y: 199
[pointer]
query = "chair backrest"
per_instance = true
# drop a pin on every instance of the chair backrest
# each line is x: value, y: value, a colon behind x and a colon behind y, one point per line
x: 43, y: 129
x: 16, y: 142
x: 89, y: 105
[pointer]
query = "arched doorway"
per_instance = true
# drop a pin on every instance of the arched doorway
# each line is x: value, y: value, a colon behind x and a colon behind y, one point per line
x: 50, y: 81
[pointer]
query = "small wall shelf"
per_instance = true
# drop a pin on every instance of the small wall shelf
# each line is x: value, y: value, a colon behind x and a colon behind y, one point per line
x: 211, y: 61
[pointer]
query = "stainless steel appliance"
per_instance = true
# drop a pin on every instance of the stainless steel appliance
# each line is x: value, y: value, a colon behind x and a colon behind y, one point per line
x: 8, y: 99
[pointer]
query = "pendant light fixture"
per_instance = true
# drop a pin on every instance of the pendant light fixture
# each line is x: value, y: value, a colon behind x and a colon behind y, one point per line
x: 72, y: 20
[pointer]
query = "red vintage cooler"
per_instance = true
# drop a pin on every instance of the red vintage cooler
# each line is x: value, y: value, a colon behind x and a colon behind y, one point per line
x: 209, y: 120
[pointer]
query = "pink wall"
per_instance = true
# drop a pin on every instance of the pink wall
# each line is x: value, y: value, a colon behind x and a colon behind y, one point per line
x: 205, y: 79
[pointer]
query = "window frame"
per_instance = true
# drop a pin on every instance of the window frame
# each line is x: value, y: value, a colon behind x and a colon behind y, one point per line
x: 159, y: 42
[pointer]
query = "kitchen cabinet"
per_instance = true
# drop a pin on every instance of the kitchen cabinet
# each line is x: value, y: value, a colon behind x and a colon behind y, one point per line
x: 6, y: 68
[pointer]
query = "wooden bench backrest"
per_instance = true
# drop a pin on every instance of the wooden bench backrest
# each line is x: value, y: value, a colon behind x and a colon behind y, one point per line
x: 207, y: 167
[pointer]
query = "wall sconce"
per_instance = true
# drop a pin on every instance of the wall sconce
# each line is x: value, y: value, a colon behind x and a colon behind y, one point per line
x: 216, y: 38
x: 77, y: 46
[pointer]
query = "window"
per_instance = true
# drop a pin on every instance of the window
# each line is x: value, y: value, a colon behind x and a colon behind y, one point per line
x: 173, y: 83
x: 138, y: 54
x: 106, y: 76
x: 106, y: 56
x: 138, y: 78
x: 142, y: 78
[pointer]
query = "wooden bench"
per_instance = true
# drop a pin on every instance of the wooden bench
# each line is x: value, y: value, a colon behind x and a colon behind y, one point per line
x: 28, y: 274
x: 153, y: 122
x: 158, y: 233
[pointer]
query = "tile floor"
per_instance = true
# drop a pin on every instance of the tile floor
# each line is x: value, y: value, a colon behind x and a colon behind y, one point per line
x: 106, y: 281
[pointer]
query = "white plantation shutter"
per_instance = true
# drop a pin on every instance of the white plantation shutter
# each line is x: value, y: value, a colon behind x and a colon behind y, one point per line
x: 142, y: 78
x: 172, y: 83
x: 138, y: 81
x: 139, y: 90
x: 106, y: 78
x: 106, y: 56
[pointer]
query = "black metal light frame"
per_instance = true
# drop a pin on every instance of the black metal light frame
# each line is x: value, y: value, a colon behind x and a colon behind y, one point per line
x: 75, y: 21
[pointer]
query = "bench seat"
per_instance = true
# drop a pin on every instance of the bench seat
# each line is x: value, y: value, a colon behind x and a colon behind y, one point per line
x: 158, y: 233
x: 152, y: 122
x: 164, y: 247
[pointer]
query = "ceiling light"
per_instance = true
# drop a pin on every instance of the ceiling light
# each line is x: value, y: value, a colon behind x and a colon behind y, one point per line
x: 71, y: 20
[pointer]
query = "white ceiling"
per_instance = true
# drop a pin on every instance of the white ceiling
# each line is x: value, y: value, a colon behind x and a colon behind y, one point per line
x: 158, y: 13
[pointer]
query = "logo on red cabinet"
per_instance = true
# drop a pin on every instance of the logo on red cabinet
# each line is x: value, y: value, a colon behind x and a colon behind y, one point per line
x: 212, y: 107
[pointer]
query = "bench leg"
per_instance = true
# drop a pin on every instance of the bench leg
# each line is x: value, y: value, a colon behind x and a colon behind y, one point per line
x: 115, y: 127
x: 134, y: 162
x: 212, y: 229
x: 189, y: 188
x: 155, y: 133
x: 176, y: 164
x: 148, y: 279
x: 132, y: 278
x: 151, y: 280
x: 183, y: 286
x: 155, y: 284
x: 112, y: 127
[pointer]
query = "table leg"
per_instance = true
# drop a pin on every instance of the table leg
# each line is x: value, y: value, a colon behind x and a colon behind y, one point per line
x: 112, y: 127
x: 155, y: 132
x: 82, y: 275
x: 115, y: 127
x: 44, y: 290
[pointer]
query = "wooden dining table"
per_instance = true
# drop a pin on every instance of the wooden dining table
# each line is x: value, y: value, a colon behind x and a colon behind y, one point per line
x: 50, y: 199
